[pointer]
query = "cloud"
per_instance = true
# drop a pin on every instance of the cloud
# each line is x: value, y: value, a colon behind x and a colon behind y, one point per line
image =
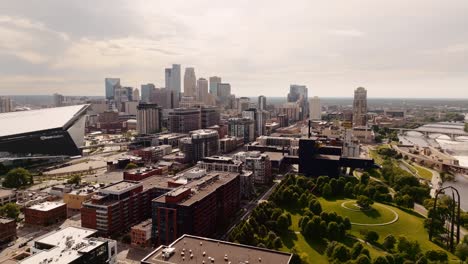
x: 347, y: 33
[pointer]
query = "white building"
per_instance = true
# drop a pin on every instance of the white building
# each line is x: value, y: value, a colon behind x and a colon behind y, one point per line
x: 149, y: 119
x: 190, y: 82
x: 202, y: 91
x: 258, y: 163
x: 315, y: 108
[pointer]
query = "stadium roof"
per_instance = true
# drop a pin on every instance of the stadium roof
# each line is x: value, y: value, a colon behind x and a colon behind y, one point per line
x: 15, y: 123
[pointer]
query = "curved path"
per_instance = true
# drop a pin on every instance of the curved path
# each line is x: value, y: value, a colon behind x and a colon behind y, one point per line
x: 380, y: 224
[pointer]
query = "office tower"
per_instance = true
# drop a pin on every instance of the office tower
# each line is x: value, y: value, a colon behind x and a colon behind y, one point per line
x: 146, y: 90
x: 360, y: 107
x: 242, y: 127
x: 111, y: 84
x: 210, y: 116
x: 136, y: 95
x: 259, y: 117
x: 165, y: 98
x: 261, y: 102
x: 129, y: 93
x: 6, y: 104
x: 244, y: 104
x: 315, y: 108
x: 58, y: 100
x: 121, y: 95
x: 282, y: 120
x: 149, y: 119
x: 202, y: 88
x: 201, y: 143
x: 190, y: 82
x: 214, y: 81
x: 299, y: 94
x: 184, y: 120
x: 167, y: 78
x: 291, y: 110
x: 224, y: 93
x: 175, y: 84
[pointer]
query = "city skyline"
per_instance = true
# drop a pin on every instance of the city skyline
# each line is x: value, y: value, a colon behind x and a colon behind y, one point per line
x: 44, y: 53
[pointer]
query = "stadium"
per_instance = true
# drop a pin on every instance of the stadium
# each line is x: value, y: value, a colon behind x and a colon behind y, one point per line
x: 50, y: 131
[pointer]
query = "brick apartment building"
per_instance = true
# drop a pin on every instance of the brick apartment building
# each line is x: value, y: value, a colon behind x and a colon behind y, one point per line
x: 202, y: 207
x: 45, y: 213
x: 141, y: 234
x: 143, y: 173
x: 122, y: 205
x: 7, y: 229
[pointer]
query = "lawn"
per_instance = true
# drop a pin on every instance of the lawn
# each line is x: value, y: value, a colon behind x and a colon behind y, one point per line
x: 377, y: 215
x: 312, y: 251
x: 423, y: 172
x: 410, y: 225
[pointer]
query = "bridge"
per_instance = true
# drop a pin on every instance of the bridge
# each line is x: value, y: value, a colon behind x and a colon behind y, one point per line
x: 452, y: 130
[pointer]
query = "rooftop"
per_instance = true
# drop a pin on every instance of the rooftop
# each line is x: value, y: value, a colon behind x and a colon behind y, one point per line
x: 156, y: 181
x: 191, y: 249
x: 4, y: 220
x: 46, y: 206
x: 120, y: 187
x: 201, y: 187
x: 67, y: 245
x: 6, y: 192
x: 22, y: 122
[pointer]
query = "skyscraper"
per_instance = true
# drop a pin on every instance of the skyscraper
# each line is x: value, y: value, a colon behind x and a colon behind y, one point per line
x: 190, y: 82
x: 184, y: 120
x: 315, y: 108
x: 136, y: 95
x: 244, y: 104
x: 167, y: 77
x: 202, y: 88
x: 214, y: 81
x: 242, y: 127
x: 261, y: 102
x: 146, y: 90
x: 111, y: 84
x: 149, y: 119
x: 175, y: 79
x: 5, y: 105
x: 360, y: 107
x: 299, y: 94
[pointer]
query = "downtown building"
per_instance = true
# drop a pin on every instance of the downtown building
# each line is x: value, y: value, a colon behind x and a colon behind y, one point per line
x: 259, y: 117
x: 214, y: 81
x: 203, y: 207
x: 299, y: 94
x: 111, y: 84
x: 184, y: 120
x: 360, y: 107
x: 201, y: 143
x: 149, y: 119
x: 258, y: 163
x: 315, y: 108
x: 242, y: 127
x: 6, y: 105
x: 122, y: 205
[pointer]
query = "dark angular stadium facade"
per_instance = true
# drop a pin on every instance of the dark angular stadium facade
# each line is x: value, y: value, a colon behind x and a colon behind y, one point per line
x: 50, y: 131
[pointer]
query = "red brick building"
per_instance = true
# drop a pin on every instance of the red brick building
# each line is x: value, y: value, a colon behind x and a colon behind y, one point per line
x: 7, y: 229
x: 46, y: 213
x: 143, y: 173
x: 202, y: 207
x: 120, y: 206
x: 141, y: 234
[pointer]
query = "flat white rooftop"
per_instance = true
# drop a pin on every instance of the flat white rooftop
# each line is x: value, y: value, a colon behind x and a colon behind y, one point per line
x: 14, y: 123
x: 46, y: 206
x: 67, y: 244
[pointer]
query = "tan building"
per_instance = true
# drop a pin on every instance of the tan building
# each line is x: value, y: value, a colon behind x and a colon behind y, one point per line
x: 141, y: 234
x: 75, y: 198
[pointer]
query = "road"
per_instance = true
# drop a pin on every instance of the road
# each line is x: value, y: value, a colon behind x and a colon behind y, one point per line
x: 249, y: 208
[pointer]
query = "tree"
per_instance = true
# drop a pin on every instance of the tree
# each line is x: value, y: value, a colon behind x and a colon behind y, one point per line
x: 10, y: 210
x: 389, y: 242
x: 371, y: 237
x: 365, y: 178
x: 411, y: 248
x: 363, y: 259
x: 75, y: 179
x: 18, y: 177
x: 315, y: 207
x: 341, y: 253
x: 380, y: 260
x: 462, y: 251
x: 131, y: 166
x: 333, y: 231
x: 356, y: 250
x: 283, y: 223
x: 436, y: 255
x: 347, y: 223
x: 364, y: 202
x: 278, y: 243
x: 327, y: 191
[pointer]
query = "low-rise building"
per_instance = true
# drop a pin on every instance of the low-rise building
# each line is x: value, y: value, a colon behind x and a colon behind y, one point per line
x: 7, y: 229
x: 143, y: 173
x: 141, y: 234
x: 45, y: 213
x: 192, y: 249
x: 229, y: 144
x: 152, y: 154
x: 72, y: 245
x: 75, y: 199
x: 7, y: 196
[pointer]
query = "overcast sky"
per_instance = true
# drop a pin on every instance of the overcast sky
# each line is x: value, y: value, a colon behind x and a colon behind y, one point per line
x: 397, y: 48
